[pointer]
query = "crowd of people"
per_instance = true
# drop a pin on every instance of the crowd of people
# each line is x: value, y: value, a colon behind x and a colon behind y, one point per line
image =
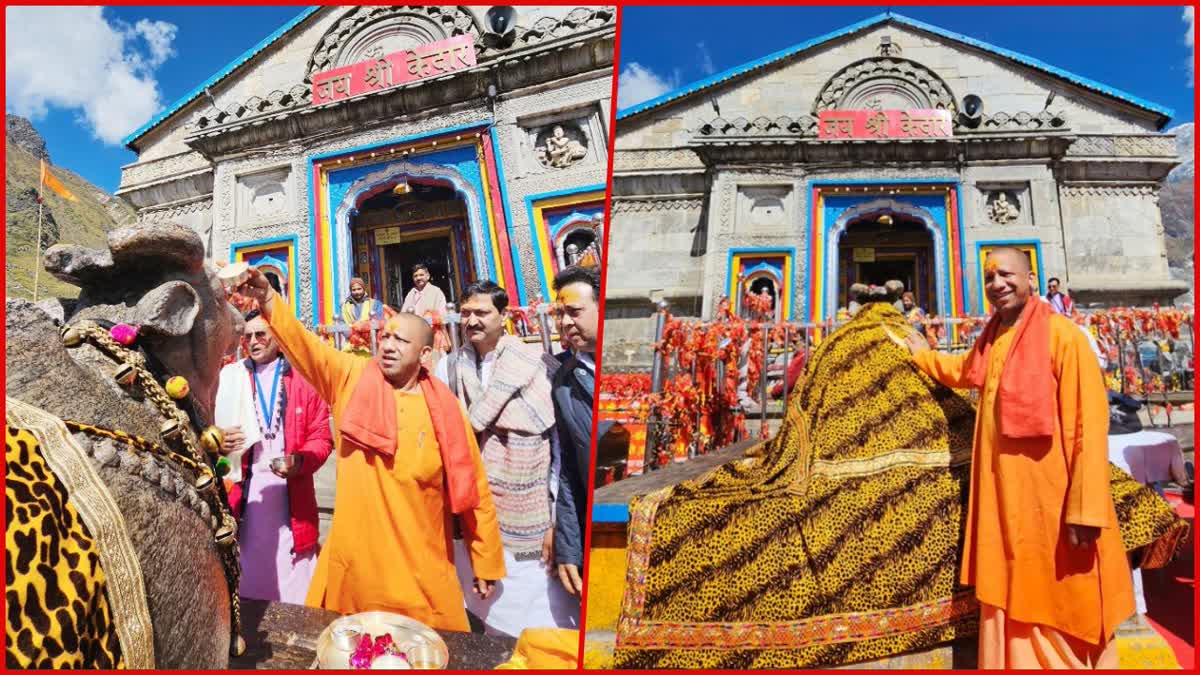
x: 461, y: 476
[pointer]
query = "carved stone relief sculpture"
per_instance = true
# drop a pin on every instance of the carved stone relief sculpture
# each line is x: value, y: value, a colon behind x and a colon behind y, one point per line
x: 885, y: 83
x: 764, y: 208
x: 263, y: 196
x: 1002, y: 210
x: 558, y: 149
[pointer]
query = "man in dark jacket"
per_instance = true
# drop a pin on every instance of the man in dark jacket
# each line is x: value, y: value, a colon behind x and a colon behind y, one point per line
x: 578, y: 316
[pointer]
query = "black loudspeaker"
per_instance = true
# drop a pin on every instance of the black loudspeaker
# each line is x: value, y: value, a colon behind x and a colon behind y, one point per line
x: 501, y: 20
x: 972, y: 111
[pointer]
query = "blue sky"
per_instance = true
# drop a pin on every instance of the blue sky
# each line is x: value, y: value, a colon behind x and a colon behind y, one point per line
x: 88, y: 77
x: 1145, y: 51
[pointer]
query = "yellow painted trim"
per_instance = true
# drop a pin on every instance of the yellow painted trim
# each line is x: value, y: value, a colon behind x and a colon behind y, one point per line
x: 493, y: 240
x: 544, y: 246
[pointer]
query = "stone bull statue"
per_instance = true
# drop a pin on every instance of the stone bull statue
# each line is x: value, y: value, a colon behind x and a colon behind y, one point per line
x: 119, y: 544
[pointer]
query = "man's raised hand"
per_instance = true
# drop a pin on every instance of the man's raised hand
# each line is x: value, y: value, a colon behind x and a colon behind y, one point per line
x: 257, y: 287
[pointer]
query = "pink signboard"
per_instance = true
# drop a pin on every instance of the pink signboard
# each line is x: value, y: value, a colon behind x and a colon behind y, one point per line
x: 393, y: 70
x: 872, y: 124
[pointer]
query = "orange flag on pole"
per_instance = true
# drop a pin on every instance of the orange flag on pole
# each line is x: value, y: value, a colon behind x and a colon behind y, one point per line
x: 52, y: 182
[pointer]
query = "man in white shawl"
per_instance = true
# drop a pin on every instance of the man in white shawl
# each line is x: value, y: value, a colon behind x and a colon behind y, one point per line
x: 428, y: 301
x: 505, y: 385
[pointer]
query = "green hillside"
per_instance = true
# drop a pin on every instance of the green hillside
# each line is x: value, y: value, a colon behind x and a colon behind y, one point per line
x: 83, y: 222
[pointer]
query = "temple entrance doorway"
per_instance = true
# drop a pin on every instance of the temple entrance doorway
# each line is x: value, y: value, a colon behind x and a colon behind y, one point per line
x: 405, y: 223
x: 878, y: 247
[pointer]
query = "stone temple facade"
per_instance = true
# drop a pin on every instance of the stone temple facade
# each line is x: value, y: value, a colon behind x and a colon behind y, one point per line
x: 731, y: 183
x: 360, y: 141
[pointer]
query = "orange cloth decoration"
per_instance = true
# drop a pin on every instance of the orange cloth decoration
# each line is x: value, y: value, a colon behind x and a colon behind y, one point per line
x: 1027, y: 382
x: 370, y: 423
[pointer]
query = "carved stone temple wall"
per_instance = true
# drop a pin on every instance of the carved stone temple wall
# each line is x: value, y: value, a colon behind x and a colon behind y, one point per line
x: 735, y: 173
x: 517, y: 128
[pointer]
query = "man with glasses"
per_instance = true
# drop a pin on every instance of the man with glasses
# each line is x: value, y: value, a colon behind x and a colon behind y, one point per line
x: 1059, y: 301
x: 274, y: 497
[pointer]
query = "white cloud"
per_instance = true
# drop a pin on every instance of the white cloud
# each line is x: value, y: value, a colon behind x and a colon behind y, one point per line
x: 706, y: 62
x: 76, y: 59
x: 1189, y: 15
x: 638, y: 83
x: 158, y: 35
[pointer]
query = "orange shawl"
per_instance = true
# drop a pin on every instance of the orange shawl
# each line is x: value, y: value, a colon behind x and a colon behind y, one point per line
x: 370, y: 423
x: 1027, y: 384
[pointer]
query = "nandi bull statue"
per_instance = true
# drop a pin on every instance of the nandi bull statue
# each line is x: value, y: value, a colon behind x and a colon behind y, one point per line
x: 121, y: 550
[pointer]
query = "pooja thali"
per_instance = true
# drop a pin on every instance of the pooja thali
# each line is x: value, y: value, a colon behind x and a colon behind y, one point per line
x: 416, y: 645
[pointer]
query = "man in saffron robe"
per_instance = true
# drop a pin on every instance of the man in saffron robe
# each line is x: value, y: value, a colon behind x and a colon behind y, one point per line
x: 1042, y: 547
x: 407, y: 463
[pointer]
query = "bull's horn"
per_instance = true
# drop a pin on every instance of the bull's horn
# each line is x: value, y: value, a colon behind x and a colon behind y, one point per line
x: 78, y: 265
x: 161, y: 242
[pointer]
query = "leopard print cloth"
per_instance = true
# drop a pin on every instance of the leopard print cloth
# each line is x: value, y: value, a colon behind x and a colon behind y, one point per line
x: 829, y: 549
x: 58, y: 609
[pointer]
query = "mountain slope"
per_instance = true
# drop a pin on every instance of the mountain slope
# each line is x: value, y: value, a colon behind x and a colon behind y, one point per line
x: 84, y: 222
x: 1177, y: 202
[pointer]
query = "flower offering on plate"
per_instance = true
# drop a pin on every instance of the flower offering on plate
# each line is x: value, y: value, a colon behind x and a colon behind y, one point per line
x: 380, y: 641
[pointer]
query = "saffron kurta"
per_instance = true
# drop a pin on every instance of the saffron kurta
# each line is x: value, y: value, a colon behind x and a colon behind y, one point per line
x: 1024, y: 493
x: 391, y: 544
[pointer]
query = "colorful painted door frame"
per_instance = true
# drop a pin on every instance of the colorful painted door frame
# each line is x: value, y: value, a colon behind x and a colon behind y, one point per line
x: 277, y: 252
x: 466, y: 157
x: 552, y: 216
x: 776, y: 264
x: 835, y: 203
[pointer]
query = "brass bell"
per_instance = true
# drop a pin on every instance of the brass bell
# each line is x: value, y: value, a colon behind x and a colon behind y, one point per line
x: 126, y: 375
x: 205, y: 481
x: 71, y: 336
x: 238, y: 646
x: 211, y: 440
x: 226, y: 535
x: 171, y: 430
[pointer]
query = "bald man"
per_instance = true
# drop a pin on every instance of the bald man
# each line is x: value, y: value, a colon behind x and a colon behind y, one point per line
x: 407, y: 464
x: 1042, y: 547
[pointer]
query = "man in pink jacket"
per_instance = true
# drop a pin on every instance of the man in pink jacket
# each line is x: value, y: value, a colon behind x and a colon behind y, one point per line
x: 275, y: 500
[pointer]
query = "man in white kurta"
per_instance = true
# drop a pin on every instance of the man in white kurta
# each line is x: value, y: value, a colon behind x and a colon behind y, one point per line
x: 505, y: 385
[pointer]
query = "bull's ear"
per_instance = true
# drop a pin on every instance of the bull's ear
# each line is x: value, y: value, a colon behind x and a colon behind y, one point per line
x: 168, y: 310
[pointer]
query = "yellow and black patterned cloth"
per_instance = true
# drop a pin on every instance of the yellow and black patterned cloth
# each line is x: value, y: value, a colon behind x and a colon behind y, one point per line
x: 56, y: 591
x: 836, y: 542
